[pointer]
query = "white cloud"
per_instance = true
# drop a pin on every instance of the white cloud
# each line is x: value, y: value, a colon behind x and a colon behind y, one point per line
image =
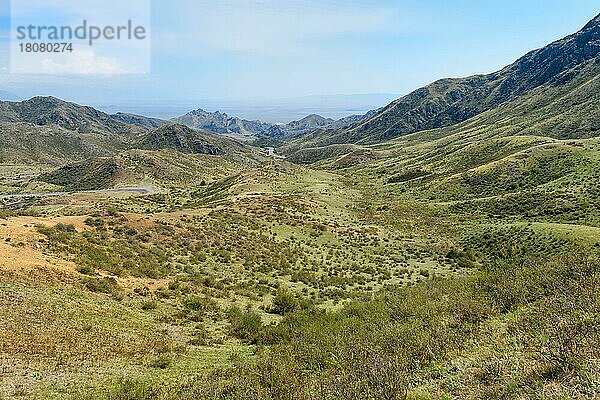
x: 106, y: 57
x: 79, y: 62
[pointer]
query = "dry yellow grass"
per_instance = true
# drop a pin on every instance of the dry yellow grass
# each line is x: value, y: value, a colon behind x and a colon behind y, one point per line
x: 22, y: 259
x: 20, y: 255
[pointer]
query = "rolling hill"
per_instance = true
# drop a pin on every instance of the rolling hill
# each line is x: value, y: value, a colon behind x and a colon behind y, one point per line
x: 25, y: 143
x: 169, y: 155
x: 187, y: 140
x: 164, y: 168
x: 46, y: 130
x: 44, y: 111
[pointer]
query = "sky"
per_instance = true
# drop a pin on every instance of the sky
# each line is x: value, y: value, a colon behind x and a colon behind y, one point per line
x: 260, y: 52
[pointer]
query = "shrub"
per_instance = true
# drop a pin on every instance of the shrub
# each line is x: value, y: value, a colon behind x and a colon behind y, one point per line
x: 200, y: 336
x: 149, y: 305
x: 160, y: 362
x: 106, y: 285
x: 199, y: 303
x: 86, y: 270
x: 94, y: 222
x: 60, y: 227
x: 561, y: 328
x: 245, y: 325
x: 284, y: 302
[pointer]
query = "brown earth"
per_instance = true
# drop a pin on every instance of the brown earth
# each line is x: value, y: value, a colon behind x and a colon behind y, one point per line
x: 22, y: 257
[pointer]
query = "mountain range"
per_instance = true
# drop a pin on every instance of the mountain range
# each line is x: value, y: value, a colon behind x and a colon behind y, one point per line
x: 51, y: 131
x: 221, y: 123
x: 551, y: 92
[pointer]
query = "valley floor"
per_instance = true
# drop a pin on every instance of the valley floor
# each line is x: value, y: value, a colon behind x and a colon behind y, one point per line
x: 112, y: 292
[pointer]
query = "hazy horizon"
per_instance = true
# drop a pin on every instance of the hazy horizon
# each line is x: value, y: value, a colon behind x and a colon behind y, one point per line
x: 275, y: 111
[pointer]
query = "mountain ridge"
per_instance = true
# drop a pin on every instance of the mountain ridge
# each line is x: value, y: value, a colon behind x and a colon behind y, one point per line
x: 139, y: 120
x: 449, y: 101
x: 49, y: 110
x: 223, y: 124
x: 51, y: 131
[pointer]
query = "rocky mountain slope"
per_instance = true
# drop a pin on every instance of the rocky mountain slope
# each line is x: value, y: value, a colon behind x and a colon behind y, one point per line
x: 222, y: 123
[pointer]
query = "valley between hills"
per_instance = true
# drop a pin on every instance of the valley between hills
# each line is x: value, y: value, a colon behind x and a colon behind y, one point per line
x: 446, y: 245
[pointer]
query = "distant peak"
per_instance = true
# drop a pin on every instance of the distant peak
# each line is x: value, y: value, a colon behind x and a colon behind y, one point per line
x: 594, y: 23
x: 46, y: 99
x: 201, y: 111
x: 313, y: 117
x: 174, y: 127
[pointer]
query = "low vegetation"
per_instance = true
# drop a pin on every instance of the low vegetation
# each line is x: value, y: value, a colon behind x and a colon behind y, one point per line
x: 516, y: 328
x: 460, y: 261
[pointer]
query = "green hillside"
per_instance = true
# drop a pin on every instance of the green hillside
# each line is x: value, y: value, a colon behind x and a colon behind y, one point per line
x: 52, y: 145
x: 187, y: 140
x: 44, y: 111
x: 445, y: 247
x: 163, y: 168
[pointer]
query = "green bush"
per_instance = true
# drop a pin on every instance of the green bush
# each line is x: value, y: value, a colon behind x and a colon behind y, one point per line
x: 149, y: 305
x: 200, y: 336
x: 86, y: 270
x: 106, y: 285
x: 199, y: 303
x: 284, y: 302
x: 244, y: 325
x: 380, y: 348
x: 160, y: 362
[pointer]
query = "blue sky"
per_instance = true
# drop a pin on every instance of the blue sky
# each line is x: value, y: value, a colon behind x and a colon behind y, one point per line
x: 267, y: 50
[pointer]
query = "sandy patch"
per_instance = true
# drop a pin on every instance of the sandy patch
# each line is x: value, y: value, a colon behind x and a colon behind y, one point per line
x: 23, y: 257
x: 20, y: 253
